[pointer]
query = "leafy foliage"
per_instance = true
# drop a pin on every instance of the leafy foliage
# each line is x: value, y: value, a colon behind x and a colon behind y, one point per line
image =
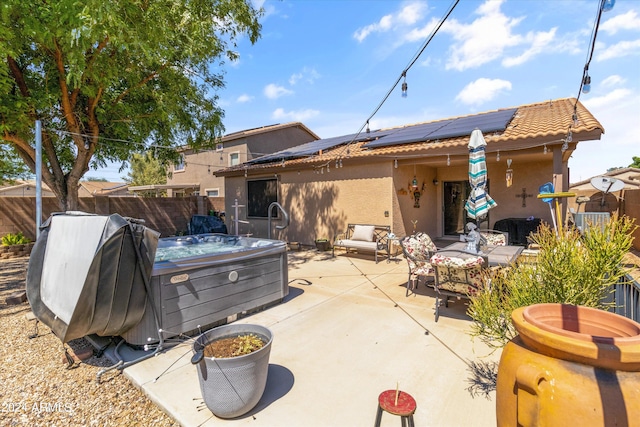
x: 11, y: 167
x: 146, y: 170
x: 571, y: 268
x: 107, y: 77
x: 14, y: 239
x: 636, y: 162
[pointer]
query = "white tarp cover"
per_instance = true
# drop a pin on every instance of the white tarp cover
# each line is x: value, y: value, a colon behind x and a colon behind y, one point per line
x: 87, y: 274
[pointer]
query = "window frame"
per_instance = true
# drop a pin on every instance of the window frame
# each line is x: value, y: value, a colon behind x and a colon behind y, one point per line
x: 255, y: 211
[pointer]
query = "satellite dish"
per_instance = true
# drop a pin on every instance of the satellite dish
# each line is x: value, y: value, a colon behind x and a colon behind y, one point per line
x: 607, y: 184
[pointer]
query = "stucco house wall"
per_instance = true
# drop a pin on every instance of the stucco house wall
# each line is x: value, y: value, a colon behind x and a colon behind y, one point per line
x: 200, y: 166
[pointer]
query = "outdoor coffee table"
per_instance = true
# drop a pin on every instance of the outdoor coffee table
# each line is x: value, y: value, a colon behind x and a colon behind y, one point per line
x: 497, y: 255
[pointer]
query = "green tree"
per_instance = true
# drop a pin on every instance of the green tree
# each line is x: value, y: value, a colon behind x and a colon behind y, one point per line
x: 11, y: 166
x: 104, y: 77
x: 146, y: 170
x: 636, y: 162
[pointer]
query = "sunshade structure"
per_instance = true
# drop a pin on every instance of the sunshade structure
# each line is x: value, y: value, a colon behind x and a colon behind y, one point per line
x: 479, y: 201
x: 88, y: 274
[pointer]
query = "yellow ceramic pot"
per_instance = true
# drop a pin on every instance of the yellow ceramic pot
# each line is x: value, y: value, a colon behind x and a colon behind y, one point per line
x: 570, y: 366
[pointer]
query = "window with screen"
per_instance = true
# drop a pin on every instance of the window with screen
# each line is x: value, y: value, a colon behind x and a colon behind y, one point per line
x: 260, y: 194
x: 214, y: 192
x: 179, y: 165
x: 234, y: 159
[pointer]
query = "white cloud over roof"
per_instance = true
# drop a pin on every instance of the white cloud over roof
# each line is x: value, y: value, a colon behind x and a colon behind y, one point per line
x: 274, y: 91
x: 482, y: 90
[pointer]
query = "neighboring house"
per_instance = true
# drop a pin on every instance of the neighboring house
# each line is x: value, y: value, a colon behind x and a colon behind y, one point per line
x: 20, y: 188
x: 85, y: 189
x: 369, y: 178
x: 102, y: 188
x: 195, y: 173
x: 598, y: 201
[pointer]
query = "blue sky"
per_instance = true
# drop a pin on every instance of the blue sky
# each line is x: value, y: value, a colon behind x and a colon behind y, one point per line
x: 330, y: 63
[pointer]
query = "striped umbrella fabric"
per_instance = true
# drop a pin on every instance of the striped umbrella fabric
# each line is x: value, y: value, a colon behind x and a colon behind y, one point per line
x: 479, y: 202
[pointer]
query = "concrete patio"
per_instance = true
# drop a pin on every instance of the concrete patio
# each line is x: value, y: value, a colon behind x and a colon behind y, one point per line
x: 345, y: 333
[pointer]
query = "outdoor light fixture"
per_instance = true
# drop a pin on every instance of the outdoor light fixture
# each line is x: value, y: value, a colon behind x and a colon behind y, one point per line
x: 395, y: 163
x: 545, y: 149
x: 509, y: 175
x: 448, y: 160
x: 607, y: 5
x: 586, y: 84
x: 498, y: 156
x: 368, y: 131
x: 569, y: 136
x: 414, y: 183
x: 435, y: 181
x: 404, y: 85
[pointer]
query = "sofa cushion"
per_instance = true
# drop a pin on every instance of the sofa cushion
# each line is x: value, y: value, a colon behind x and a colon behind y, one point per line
x: 363, y: 232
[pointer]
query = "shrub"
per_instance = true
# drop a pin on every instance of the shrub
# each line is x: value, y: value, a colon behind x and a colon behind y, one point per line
x: 14, y: 239
x: 571, y: 268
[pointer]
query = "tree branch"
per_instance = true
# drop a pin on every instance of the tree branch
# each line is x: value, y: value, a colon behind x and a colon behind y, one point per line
x: 140, y: 84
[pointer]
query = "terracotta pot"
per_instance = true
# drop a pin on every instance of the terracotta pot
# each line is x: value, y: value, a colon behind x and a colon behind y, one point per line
x: 569, y: 365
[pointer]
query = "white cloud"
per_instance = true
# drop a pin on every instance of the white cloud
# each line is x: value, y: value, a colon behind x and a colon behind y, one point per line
x: 273, y: 91
x: 308, y: 75
x: 626, y: 21
x: 482, y: 90
x: 617, y: 111
x: 614, y: 80
x: 244, y: 98
x: 297, y: 116
x: 492, y: 35
x: 484, y: 40
x: 408, y: 15
x: 618, y: 50
x: 539, y: 43
x: 611, y: 99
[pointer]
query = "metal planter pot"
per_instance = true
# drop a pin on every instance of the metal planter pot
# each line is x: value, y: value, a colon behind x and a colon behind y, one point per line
x: 231, y: 387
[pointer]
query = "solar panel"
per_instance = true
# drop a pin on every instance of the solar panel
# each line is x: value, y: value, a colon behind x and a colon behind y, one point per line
x: 408, y: 134
x: 314, y: 147
x: 487, y: 122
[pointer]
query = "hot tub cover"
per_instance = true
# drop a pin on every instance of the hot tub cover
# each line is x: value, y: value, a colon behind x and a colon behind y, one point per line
x: 89, y: 274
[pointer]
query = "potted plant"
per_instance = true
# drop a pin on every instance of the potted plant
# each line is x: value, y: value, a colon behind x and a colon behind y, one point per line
x: 323, y: 244
x: 232, y: 363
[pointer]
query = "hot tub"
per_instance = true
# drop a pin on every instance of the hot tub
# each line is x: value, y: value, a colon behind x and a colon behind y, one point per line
x: 200, y: 281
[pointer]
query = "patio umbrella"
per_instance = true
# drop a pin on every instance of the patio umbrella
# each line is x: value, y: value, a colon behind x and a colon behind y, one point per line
x: 479, y: 202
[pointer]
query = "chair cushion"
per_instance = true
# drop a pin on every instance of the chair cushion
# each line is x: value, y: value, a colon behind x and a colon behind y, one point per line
x: 459, y: 275
x: 363, y: 232
x: 496, y: 239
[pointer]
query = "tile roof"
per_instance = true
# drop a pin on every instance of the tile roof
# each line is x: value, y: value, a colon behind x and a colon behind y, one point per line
x: 263, y: 129
x: 532, y: 125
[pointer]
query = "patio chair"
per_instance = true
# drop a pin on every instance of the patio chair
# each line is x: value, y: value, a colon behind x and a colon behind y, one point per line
x: 457, y: 274
x: 495, y: 237
x: 418, y: 249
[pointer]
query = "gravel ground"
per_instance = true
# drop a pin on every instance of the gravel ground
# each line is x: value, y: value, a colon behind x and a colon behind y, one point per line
x: 37, y: 389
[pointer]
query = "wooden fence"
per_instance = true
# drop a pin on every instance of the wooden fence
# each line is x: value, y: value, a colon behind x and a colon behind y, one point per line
x: 169, y: 216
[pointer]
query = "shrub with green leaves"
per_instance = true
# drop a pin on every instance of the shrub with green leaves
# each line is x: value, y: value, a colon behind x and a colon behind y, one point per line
x: 14, y: 239
x: 571, y: 268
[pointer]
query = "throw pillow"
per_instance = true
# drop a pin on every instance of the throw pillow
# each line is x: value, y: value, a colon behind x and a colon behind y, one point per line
x: 363, y: 232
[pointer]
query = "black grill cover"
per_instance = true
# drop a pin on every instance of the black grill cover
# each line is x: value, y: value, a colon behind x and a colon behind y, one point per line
x: 86, y: 276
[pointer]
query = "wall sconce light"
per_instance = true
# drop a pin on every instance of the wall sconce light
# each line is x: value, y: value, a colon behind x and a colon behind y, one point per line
x: 435, y: 181
x: 509, y: 174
